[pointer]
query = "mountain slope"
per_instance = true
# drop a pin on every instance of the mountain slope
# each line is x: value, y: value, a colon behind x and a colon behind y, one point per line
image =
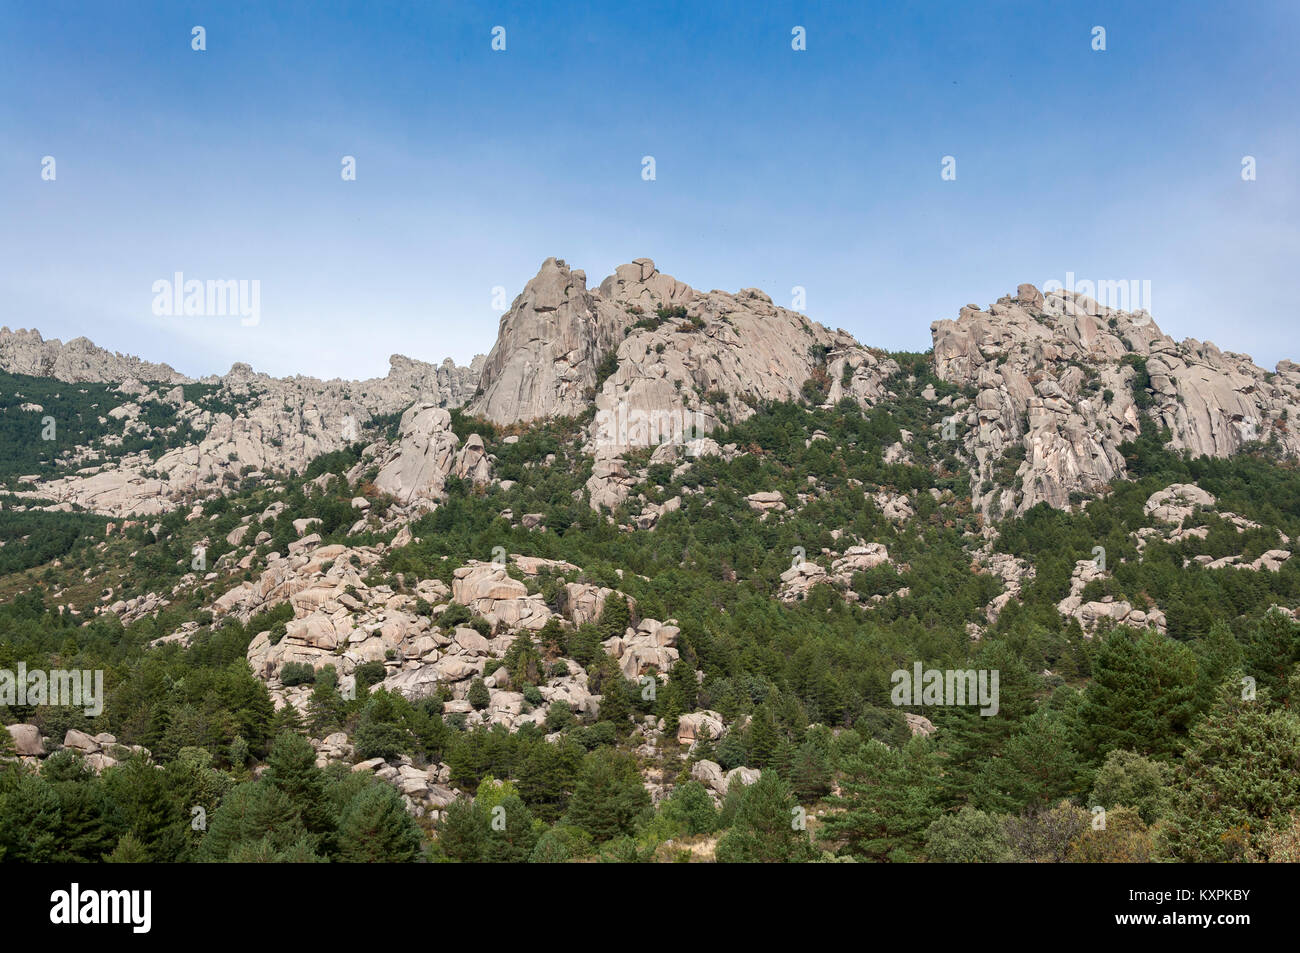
x: 664, y: 650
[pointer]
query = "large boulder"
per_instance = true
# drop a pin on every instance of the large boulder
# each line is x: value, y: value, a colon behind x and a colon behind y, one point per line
x: 27, y: 740
x: 417, y: 467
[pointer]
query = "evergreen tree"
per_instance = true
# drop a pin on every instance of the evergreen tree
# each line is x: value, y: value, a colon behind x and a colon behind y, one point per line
x: 615, y: 618
x: 762, y: 738
x: 291, y: 769
x: 550, y: 849
x: 810, y: 773
x: 30, y: 822
x: 250, y: 812
x: 732, y: 751
x: 462, y: 833
x: 609, y: 797
x: 547, y: 777
x: 478, y: 694
x: 264, y: 851
x: 690, y: 809
x: 149, y: 809
x: 326, y: 708
x: 512, y: 834
x: 90, y: 823
x: 889, y: 802
x: 768, y: 826
x: 381, y: 730
x: 1142, y: 696
x: 1217, y: 653
x: 1237, y: 781
x: 129, y: 850
x: 970, y: 740
x: 375, y: 829
x: 1037, y: 767
x: 1271, y: 651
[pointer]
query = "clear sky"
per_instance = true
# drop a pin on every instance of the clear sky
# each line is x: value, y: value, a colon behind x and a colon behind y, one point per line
x: 774, y: 167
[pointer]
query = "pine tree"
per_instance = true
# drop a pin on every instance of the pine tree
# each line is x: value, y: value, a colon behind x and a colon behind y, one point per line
x: 550, y: 849
x: 511, y: 834
x: 1142, y: 696
x: 1271, y: 651
x: 614, y: 705
x: 90, y: 825
x: 810, y: 774
x: 462, y: 832
x: 250, y: 812
x: 291, y: 769
x: 762, y: 738
x: 767, y: 827
x: 149, y: 810
x: 968, y: 739
x: 129, y: 850
x: 1217, y: 654
x: 889, y: 802
x: 690, y: 809
x: 547, y: 776
x: 326, y: 707
x: 375, y: 829
x: 287, y: 718
x: 478, y: 694
x: 609, y: 797
x: 1037, y: 767
x: 31, y: 820
x: 264, y: 851
x: 615, y: 617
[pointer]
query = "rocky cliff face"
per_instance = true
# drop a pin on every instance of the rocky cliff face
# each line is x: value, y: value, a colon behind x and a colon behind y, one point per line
x: 1061, y: 381
x: 548, y: 348
x: 683, y: 356
x: 714, y: 359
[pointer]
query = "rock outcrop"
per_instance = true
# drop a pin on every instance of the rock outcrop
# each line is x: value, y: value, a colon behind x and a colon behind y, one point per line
x: 250, y: 423
x: 1059, y: 379
x: 549, y: 346
x: 693, y: 360
x: 664, y: 363
x: 426, y: 453
x: 78, y: 361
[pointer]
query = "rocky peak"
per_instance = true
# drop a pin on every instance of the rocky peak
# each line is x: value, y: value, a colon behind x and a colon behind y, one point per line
x: 78, y: 361
x: 281, y: 424
x: 1061, y: 381
x: 548, y: 348
x: 673, y: 345
x: 640, y: 284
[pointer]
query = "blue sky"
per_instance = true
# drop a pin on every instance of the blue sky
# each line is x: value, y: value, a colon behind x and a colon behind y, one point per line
x: 774, y: 168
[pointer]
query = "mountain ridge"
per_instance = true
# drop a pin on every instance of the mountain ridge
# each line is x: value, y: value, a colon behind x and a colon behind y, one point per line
x: 1053, y: 384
